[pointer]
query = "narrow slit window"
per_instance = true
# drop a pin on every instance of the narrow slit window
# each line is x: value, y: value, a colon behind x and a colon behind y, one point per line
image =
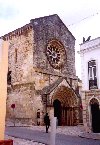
x: 9, y: 78
x: 15, y: 55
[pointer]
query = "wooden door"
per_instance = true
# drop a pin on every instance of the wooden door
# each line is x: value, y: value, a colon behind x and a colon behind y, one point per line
x: 67, y: 116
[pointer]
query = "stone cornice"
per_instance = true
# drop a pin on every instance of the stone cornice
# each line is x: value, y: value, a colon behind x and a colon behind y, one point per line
x: 59, y: 74
x: 89, y: 45
x: 20, y: 84
x: 91, y: 93
x: 89, y: 49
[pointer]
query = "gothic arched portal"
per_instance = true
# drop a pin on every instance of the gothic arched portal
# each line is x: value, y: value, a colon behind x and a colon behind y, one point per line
x: 65, y: 105
x: 95, y: 112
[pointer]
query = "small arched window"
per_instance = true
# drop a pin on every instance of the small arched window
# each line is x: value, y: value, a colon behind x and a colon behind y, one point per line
x: 92, y: 74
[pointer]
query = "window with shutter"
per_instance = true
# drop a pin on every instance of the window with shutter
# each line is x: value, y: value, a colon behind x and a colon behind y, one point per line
x: 92, y: 74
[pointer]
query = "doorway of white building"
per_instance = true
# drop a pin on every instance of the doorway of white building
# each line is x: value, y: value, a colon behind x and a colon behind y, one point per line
x: 95, y: 113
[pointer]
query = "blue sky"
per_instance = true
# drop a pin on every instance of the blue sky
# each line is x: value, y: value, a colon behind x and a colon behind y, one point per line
x: 16, y: 13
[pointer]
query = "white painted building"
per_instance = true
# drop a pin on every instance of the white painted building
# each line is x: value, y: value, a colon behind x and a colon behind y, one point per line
x: 90, y: 72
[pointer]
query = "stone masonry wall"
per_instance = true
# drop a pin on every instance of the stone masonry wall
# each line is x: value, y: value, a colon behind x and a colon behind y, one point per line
x: 87, y: 96
x: 22, y: 91
x: 46, y: 29
x: 30, y: 69
x: 21, y: 57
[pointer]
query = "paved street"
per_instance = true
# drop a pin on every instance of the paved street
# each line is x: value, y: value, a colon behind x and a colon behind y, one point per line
x: 41, y: 136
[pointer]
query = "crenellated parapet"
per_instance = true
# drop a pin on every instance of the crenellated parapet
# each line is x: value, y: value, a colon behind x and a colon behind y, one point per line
x: 18, y: 32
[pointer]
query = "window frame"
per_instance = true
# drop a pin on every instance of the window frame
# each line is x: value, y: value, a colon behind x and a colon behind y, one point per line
x: 92, y: 74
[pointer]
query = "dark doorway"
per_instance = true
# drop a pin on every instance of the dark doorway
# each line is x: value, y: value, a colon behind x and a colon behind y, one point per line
x: 57, y: 110
x: 95, y: 117
x: 65, y: 115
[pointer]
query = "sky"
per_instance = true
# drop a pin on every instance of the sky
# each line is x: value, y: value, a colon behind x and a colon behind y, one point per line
x: 82, y: 17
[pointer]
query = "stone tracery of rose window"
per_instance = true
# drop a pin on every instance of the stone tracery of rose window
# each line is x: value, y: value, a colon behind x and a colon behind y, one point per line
x: 55, y: 53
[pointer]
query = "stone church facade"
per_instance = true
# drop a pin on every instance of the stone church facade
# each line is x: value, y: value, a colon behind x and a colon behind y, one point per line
x: 41, y: 73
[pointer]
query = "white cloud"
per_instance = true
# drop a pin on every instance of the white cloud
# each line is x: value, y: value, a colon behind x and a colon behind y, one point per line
x: 7, y: 9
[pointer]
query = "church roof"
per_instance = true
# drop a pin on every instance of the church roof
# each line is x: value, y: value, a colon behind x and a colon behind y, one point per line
x: 21, y: 30
x: 48, y: 89
x: 52, y: 16
x: 51, y: 87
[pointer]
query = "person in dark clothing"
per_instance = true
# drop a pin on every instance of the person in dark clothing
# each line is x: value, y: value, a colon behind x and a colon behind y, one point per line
x: 47, y: 122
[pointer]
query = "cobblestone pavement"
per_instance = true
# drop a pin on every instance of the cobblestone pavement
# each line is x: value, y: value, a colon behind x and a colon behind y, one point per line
x: 65, y: 136
x: 18, y: 141
x: 63, y: 130
x: 67, y: 130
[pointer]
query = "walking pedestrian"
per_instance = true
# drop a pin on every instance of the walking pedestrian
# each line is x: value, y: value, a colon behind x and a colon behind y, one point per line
x: 47, y: 122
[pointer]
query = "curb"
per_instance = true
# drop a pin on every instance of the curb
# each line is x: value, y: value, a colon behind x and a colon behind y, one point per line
x: 90, y: 136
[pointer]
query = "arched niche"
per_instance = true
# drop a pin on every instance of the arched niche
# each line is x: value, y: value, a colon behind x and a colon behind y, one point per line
x: 95, y: 115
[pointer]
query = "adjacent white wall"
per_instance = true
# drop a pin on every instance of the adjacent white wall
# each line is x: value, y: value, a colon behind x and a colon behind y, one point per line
x: 89, y: 50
